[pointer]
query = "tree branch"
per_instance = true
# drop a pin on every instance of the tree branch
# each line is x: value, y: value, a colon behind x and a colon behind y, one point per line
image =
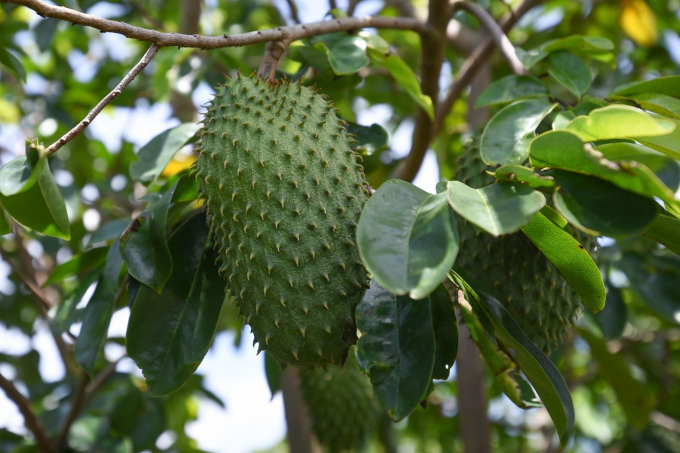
x: 294, y: 11
x: 30, y: 419
x: 352, y: 7
x: 161, y: 39
x: 272, y: 54
x: 42, y: 301
x: 104, y: 102
x: 501, y: 40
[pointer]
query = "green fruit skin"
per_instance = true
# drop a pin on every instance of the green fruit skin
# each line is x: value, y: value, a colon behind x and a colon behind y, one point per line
x: 284, y: 192
x: 522, y: 278
x: 341, y: 405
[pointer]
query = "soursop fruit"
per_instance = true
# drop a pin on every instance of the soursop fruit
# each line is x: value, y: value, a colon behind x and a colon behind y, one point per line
x: 283, y: 192
x: 521, y: 277
x: 341, y: 405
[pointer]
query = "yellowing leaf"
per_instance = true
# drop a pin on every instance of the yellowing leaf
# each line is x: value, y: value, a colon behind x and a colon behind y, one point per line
x: 638, y: 21
x: 179, y: 163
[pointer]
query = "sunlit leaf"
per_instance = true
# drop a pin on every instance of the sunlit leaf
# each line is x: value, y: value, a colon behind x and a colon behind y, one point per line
x: 669, y: 86
x: 618, y: 121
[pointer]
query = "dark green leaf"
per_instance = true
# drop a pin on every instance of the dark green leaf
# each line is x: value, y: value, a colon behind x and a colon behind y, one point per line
x: 507, y: 136
x: 587, y: 46
x: 12, y: 64
x: 407, y: 238
x: 670, y: 86
x: 5, y: 222
x: 527, y: 176
x: 396, y: 349
x: 598, y: 207
x: 512, y: 88
x: 445, y: 327
x: 144, y: 247
x: 67, y: 314
x: 108, y: 232
x: 153, y: 157
x: 665, y: 229
x: 619, y: 121
x: 369, y: 139
x: 538, y: 368
x: 274, y: 374
x: 570, y: 258
x: 635, y: 397
x: 501, y: 208
x: 79, y: 264
x: 570, y: 71
x: 169, y: 333
x: 346, y: 53
x: 613, y: 317
x: 185, y: 190
x: 16, y: 175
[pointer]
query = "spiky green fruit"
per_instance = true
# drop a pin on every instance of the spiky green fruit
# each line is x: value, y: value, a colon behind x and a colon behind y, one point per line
x: 284, y: 193
x: 522, y: 278
x: 341, y: 405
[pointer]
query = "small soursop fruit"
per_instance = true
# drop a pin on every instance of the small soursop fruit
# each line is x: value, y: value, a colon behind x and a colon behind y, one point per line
x: 341, y: 405
x: 521, y: 277
x: 284, y: 193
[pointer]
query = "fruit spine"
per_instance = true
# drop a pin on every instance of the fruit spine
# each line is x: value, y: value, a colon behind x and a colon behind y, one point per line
x: 284, y: 192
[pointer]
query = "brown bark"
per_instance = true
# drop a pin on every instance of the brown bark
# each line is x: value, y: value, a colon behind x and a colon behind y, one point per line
x: 300, y: 436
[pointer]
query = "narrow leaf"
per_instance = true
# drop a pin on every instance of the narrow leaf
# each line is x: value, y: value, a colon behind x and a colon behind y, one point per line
x: 445, y: 328
x: 169, y: 333
x: 407, y: 238
x: 670, y: 86
x: 273, y: 373
x: 501, y: 208
x: 77, y: 265
x: 396, y: 349
x: 570, y: 258
x: 12, y: 64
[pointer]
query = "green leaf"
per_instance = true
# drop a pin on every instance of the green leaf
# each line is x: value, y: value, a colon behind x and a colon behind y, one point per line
x: 570, y: 71
x: 512, y: 88
x: 636, y: 398
x: 501, y: 208
x: 563, y: 150
x: 501, y: 365
x: 668, y: 144
x: 108, y: 232
x: 97, y: 316
x: 144, y: 247
x: 570, y: 258
x: 507, y: 136
x: 274, y: 374
x: 5, y: 222
x: 375, y: 42
x: 67, y: 314
x: 538, y: 368
x: 526, y: 176
x: 17, y: 176
x: 12, y: 64
x: 658, y: 103
x: 665, y: 229
x: 555, y: 217
x: 346, y: 53
x: 445, y: 328
x: 613, y: 317
x: 403, y: 74
x: 618, y: 121
x: 664, y: 167
x: 407, y: 238
x: 561, y: 119
x: 598, y: 207
x: 586, y: 46
x: 169, y: 333
x: 396, y: 348
x: 153, y: 157
x: 77, y: 265
x: 35, y: 201
x: 670, y: 86
x: 185, y: 190
x: 369, y: 139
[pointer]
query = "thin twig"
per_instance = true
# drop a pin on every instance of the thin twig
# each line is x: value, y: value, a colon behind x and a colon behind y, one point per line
x: 352, y: 7
x: 100, y: 379
x: 294, y: 11
x: 501, y: 40
x: 293, y: 32
x: 77, y: 403
x: 30, y: 419
x: 42, y: 301
x: 272, y: 54
x: 332, y: 4
x: 104, y: 102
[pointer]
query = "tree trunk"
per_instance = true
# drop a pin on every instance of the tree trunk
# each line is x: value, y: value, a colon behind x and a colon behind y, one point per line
x: 300, y: 436
x: 182, y: 104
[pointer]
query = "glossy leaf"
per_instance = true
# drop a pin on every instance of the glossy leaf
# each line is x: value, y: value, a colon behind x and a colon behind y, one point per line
x: 375, y: 42
x: 407, y: 238
x: 561, y: 119
x: 512, y: 88
x: 618, y: 121
x: 185, y: 190
x: 404, y: 75
x: 144, y: 247
x: 369, y: 139
x: 526, y: 176
x: 570, y: 71
x: 541, y: 372
x: 669, y: 86
x: 38, y: 205
x: 169, y: 333
x: 97, y: 316
x: 563, y: 150
x: 346, y: 53
x: 109, y: 231
x: 635, y: 397
x: 77, y: 265
x: 273, y: 372
x: 588, y: 46
x: 668, y: 144
x: 396, y: 348
x: 153, y: 157
x: 555, y: 217
x: 658, y: 103
x: 570, y: 258
x: 664, y: 167
x: 501, y: 208
x: 665, y: 229
x: 17, y: 176
x: 598, y: 207
x: 12, y: 64
x: 507, y: 136
x: 445, y: 327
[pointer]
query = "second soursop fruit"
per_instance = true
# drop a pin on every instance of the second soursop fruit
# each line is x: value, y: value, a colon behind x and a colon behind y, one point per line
x: 521, y: 277
x: 284, y: 193
x: 341, y: 405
